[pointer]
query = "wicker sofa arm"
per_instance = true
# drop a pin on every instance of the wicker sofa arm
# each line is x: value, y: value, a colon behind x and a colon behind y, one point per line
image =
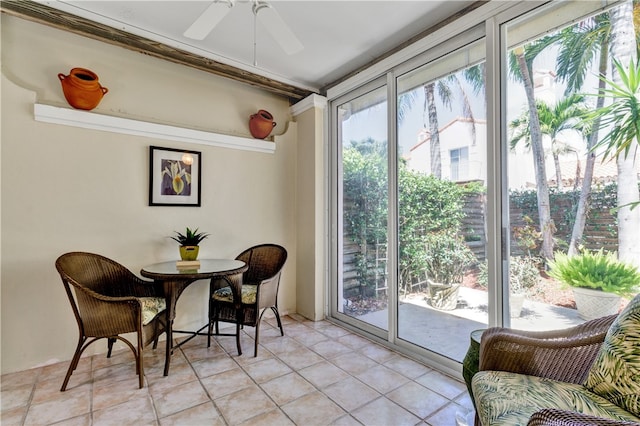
x: 555, y: 417
x: 564, y: 355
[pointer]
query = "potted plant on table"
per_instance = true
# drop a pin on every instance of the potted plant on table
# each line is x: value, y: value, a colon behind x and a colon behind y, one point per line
x: 447, y: 258
x: 189, y: 243
x: 598, y: 281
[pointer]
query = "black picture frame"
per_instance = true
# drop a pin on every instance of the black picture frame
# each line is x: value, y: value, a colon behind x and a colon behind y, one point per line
x: 174, y: 177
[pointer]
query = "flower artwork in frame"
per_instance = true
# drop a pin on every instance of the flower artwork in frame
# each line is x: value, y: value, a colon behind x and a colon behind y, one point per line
x: 174, y: 177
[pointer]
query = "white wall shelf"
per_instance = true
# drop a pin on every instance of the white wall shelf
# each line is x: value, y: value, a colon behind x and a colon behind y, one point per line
x: 107, y: 123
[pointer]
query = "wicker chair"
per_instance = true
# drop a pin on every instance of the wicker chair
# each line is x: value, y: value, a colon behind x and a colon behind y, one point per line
x: 110, y: 300
x: 535, y: 368
x: 245, y: 304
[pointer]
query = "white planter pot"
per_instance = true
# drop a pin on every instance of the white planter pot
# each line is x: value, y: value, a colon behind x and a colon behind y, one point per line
x: 594, y: 304
x: 443, y: 296
x: 516, y: 302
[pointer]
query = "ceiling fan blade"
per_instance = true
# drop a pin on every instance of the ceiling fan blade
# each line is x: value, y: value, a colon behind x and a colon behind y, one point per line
x: 278, y: 29
x: 211, y: 17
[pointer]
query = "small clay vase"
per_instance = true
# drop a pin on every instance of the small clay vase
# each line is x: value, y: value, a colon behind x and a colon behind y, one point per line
x: 261, y: 124
x: 82, y: 89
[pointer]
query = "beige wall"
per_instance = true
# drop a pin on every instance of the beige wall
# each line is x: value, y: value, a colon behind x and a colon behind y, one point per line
x: 67, y: 188
x: 311, y: 229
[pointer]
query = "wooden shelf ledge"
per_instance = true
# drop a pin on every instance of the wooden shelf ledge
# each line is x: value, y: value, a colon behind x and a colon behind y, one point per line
x: 107, y: 123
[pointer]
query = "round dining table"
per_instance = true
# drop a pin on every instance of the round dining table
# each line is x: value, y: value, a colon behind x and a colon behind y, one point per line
x: 174, y: 280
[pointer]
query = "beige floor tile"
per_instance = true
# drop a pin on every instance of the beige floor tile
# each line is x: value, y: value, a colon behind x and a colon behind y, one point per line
x: 19, y: 379
x: 107, y: 394
x: 83, y: 420
x: 385, y: 412
x: 203, y: 414
x: 48, y: 389
x: 14, y: 416
x: 353, y: 341
x: 417, y: 399
x: 179, y: 398
x: 271, y: 418
x: 376, y: 352
x: 16, y: 397
x: 178, y: 374
x: 313, y: 409
x: 64, y: 405
x: 382, y: 379
x: 308, y: 337
x: 210, y: 366
x: 447, y: 415
x: 354, y: 363
x: 407, y: 367
x: 323, y: 374
x: 283, y: 344
x: 137, y: 411
x: 287, y: 388
x: 227, y: 382
x: 330, y: 349
x: 350, y: 393
x: 334, y: 332
x: 300, y: 358
x: 266, y: 370
x: 442, y: 384
x: 245, y: 404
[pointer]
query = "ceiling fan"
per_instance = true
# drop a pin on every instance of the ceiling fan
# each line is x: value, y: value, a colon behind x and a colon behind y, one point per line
x: 262, y: 10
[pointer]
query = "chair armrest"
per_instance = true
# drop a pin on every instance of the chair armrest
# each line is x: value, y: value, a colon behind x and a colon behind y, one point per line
x: 107, y: 314
x: 138, y: 287
x: 565, y: 355
x: 267, y: 291
x: 556, y: 417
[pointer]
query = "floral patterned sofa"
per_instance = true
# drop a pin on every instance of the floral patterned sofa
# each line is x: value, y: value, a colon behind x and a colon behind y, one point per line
x: 585, y: 375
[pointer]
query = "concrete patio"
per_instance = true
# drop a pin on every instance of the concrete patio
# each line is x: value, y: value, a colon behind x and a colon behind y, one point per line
x: 447, y: 332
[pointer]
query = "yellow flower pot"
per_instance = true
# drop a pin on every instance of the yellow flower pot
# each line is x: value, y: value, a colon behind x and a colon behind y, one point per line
x: 189, y: 252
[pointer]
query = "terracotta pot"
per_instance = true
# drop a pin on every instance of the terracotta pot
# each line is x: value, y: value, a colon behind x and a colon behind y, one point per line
x: 82, y: 89
x: 261, y: 124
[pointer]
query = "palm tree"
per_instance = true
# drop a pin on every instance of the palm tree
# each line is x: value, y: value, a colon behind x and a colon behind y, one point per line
x: 523, y: 58
x: 566, y: 115
x: 580, y: 45
x: 624, y: 50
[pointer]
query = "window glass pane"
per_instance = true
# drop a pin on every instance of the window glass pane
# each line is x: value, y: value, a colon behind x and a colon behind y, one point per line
x: 362, y: 286
x: 563, y: 192
x: 441, y: 187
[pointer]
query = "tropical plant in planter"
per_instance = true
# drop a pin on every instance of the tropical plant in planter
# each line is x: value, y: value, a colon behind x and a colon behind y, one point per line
x: 447, y: 258
x: 189, y: 243
x: 523, y: 278
x: 598, y: 281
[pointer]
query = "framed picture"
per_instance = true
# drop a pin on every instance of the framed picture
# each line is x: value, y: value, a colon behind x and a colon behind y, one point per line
x: 174, y: 177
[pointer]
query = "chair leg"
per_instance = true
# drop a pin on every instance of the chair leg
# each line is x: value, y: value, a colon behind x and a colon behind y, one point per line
x: 275, y: 311
x: 139, y: 361
x: 257, y: 337
x: 239, y: 320
x: 110, y: 342
x: 74, y: 363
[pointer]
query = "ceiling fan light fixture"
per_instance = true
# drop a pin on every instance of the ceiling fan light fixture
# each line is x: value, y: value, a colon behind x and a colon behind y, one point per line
x: 276, y: 26
x: 211, y: 17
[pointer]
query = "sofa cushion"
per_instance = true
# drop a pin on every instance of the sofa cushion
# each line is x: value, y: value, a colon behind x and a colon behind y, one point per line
x: 504, y: 398
x: 615, y: 374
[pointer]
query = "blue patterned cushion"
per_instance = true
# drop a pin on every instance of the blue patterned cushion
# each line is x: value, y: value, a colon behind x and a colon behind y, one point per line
x: 504, y: 398
x: 615, y: 374
x: 224, y: 294
x: 151, y: 306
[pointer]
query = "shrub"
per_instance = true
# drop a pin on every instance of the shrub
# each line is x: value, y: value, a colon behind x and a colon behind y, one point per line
x: 523, y: 274
x: 447, y: 258
x: 598, y: 270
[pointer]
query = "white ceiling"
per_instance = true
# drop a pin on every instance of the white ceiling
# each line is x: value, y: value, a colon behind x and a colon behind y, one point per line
x: 339, y: 37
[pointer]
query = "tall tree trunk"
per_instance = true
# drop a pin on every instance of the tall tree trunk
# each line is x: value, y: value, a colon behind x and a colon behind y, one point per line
x: 556, y: 164
x: 585, y: 193
x: 547, y: 227
x: 623, y: 48
x: 436, y: 160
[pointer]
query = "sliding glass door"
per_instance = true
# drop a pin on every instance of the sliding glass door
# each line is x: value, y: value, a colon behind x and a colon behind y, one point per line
x: 362, y: 197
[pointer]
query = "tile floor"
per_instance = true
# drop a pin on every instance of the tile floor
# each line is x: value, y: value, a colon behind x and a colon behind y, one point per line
x: 317, y: 374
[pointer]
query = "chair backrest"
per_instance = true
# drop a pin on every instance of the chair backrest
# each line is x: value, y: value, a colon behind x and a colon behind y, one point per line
x: 264, y: 260
x: 94, y: 272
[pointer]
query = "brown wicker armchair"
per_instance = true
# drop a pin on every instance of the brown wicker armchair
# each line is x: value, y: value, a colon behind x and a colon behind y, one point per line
x: 245, y: 304
x: 565, y: 355
x: 110, y: 300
